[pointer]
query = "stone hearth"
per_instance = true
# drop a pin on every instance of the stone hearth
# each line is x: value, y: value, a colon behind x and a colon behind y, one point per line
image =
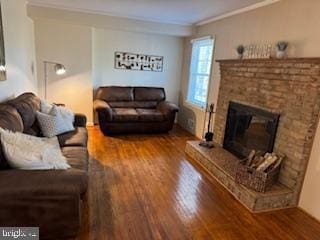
x: 290, y: 87
x: 222, y: 166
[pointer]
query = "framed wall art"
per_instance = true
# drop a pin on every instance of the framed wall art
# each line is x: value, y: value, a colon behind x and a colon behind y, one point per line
x: 140, y: 62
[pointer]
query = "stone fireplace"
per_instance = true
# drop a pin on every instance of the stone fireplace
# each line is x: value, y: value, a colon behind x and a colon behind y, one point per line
x: 289, y: 88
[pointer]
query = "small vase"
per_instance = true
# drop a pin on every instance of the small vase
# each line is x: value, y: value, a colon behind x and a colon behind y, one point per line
x: 281, y: 54
x: 240, y: 56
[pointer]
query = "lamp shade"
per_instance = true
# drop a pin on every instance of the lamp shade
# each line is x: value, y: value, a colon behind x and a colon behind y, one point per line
x: 59, y: 69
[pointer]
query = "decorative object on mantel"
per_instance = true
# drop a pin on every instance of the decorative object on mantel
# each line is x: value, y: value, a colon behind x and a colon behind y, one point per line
x: 3, y: 72
x: 141, y: 62
x: 208, y: 142
x: 259, y: 171
x: 281, y: 49
x: 254, y: 51
x: 240, y: 50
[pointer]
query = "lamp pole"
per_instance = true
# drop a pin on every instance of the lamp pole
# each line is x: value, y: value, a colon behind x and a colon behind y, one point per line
x: 59, y: 69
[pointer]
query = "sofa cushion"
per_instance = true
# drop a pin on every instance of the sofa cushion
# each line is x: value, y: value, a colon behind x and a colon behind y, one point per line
x: 16, y: 184
x: 27, y: 105
x: 149, y: 94
x: 114, y: 94
x: 77, y: 157
x: 125, y: 114
x: 78, y: 137
x: 150, y: 115
x: 134, y: 104
x: 9, y: 119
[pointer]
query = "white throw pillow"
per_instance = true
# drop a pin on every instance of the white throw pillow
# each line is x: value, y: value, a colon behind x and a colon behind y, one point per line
x: 67, y: 114
x: 53, y: 124
x: 45, y: 107
x: 32, y: 153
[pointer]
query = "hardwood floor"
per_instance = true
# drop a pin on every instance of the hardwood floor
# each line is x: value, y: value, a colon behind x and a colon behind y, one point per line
x: 144, y: 187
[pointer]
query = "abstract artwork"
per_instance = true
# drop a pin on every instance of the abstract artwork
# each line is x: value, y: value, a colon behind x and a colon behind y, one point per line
x: 141, y: 62
x: 3, y: 75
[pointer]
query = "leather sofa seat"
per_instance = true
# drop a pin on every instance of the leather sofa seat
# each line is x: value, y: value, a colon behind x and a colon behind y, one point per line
x: 77, y: 157
x: 23, y: 185
x: 149, y: 115
x: 125, y: 114
x: 78, y: 137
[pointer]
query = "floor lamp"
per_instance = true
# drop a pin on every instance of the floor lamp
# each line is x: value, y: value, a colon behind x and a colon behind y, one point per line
x: 59, y: 70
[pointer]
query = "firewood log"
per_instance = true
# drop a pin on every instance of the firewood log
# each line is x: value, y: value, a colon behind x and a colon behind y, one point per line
x: 251, y: 157
x: 267, y: 162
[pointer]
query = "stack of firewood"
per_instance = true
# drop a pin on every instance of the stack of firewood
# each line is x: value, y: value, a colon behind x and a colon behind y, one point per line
x: 263, y: 162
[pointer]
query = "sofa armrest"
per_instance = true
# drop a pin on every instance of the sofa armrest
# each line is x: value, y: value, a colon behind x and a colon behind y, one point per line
x: 102, y: 107
x: 167, y: 108
x: 80, y: 120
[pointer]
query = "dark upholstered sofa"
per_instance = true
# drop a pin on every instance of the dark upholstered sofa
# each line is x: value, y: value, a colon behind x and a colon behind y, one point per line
x: 49, y: 199
x: 134, y: 110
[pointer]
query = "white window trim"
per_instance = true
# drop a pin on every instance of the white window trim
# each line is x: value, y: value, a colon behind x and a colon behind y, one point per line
x: 188, y: 103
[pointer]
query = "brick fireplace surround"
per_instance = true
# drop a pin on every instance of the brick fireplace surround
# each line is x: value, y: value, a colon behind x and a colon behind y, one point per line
x: 290, y: 87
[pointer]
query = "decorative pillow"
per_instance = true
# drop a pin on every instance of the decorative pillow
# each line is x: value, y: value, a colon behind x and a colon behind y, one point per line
x: 67, y: 114
x: 45, y: 107
x: 27, y: 152
x: 53, y: 124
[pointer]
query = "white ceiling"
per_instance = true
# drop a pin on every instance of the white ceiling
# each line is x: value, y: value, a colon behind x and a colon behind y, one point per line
x: 184, y: 12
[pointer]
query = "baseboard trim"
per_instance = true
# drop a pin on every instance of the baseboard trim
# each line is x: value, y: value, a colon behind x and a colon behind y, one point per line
x: 90, y: 124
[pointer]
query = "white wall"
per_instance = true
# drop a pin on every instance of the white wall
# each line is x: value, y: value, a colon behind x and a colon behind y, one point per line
x: 19, y: 49
x: 88, y: 55
x: 293, y: 20
x: 106, y: 42
x: 70, y: 45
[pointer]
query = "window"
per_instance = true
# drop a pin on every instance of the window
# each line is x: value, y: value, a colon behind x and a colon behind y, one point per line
x: 200, y: 69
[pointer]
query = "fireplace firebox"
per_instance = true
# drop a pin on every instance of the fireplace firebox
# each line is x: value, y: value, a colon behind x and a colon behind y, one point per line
x: 249, y: 128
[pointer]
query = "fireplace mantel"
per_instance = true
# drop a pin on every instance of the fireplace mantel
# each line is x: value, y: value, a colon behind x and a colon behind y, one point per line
x: 290, y: 86
x: 275, y: 60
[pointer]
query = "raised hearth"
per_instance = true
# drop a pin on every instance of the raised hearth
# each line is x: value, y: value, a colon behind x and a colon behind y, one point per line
x: 288, y: 87
x: 222, y: 165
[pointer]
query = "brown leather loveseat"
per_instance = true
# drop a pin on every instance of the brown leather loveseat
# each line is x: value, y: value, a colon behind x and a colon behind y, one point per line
x: 48, y: 199
x: 134, y: 110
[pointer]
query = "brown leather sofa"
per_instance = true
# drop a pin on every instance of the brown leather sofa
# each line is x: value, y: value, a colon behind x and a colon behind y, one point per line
x: 134, y: 110
x: 49, y: 199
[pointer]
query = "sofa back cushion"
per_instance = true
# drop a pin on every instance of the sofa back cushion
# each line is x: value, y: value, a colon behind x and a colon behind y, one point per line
x: 134, y: 104
x: 149, y: 94
x: 131, y: 97
x: 115, y: 94
x: 9, y: 119
x: 27, y: 105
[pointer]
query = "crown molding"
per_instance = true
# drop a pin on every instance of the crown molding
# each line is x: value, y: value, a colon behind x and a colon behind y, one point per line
x: 105, y: 13
x: 238, y: 11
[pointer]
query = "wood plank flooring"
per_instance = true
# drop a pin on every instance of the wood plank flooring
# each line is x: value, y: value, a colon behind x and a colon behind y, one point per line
x: 144, y: 187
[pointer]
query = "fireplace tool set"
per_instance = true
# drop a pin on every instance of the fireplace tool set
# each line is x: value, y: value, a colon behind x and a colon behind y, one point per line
x: 208, y: 136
